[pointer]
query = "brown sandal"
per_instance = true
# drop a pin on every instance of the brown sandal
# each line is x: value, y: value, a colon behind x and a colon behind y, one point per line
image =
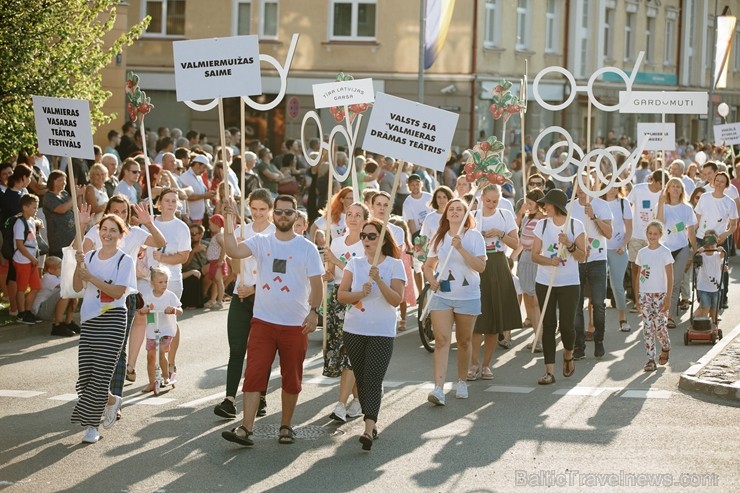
x: 568, y: 364
x: 663, y: 357
x: 547, y: 379
x: 650, y: 366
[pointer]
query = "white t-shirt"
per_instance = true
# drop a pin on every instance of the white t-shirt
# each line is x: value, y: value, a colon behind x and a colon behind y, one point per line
x: 417, y: 209
x: 177, y: 235
x: 652, y: 269
x: 621, y: 212
x: 19, y: 233
x: 197, y: 208
x: 128, y: 191
x: 167, y: 323
x: 459, y: 281
x: 345, y: 253
x: 118, y: 270
x: 709, y: 275
x: 283, y: 272
x: 500, y: 219
x: 234, y: 182
x: 730, y: 191
x: 372, y: 315
x: 678, y: 219
x: 596, y: 241
x: 130, y: 244
x: 645, y: 206
x: 399, y: 235
x: 566, y: 273
x: 336, y: 230
x: 715, y: 213
x: 49, y: 284
x: 431, y: 224
x: 505, y: 204
x: 689, y: 185
x: 250, y: 264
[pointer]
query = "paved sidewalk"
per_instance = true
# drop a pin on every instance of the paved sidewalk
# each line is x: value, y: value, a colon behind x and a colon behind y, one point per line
x: 718, y: 372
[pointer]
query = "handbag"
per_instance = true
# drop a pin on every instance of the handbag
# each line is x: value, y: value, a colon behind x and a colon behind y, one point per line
x: 69, y: 264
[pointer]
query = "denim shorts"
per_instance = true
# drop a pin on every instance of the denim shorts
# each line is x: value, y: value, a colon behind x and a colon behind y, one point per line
x: 707, y: 299
x: 462, y: 307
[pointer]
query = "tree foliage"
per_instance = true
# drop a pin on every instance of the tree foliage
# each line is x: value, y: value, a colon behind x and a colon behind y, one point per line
x: 53, y: 48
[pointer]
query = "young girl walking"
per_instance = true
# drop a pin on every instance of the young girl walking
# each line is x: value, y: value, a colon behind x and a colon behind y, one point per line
x: 654, y: 287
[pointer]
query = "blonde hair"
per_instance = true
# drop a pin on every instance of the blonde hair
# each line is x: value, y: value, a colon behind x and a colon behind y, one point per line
x: 655, y: 224
x: 52, y: 262
x: 159, y: 271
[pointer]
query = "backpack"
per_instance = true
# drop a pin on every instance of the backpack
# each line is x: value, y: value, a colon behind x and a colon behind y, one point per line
x: 8, y: 248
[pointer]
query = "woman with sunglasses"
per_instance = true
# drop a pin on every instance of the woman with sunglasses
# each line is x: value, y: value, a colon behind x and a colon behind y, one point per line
x: 128, y: 180
x: 371, y: 295
x: 336, y: 362
x: 456, y: 298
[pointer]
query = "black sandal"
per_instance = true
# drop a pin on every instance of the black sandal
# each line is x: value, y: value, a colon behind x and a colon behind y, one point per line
x: 367, y: 441
x: 233, y: 436
x: 569, y: 363
x: 286, y: 439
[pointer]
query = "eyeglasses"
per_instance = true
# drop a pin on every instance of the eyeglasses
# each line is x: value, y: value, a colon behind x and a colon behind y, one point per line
x: 369, y: 236
x: 286, y: 212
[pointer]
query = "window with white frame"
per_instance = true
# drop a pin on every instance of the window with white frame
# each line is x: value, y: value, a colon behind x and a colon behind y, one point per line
x: 492, y: 28
x: 242, y: 17
x: 630, y: 32
x: 269, y: 19
x: 352, y: 19
x: 168, y: 17
x: 669, y: 51
x: 650, y: 40
x: 609, y: 32
x: 522, y: 25
x: 552, y: 20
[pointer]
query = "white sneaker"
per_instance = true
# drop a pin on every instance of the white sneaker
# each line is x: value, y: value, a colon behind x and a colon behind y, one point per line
x: 340, y: 413
x: 109, y: 414
x: 354, y: 409
x: 437, y: 396
x: 461, y: 391
x: 91, y: 435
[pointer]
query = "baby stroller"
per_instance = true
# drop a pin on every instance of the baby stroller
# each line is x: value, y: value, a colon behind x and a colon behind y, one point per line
x: 703, y: 328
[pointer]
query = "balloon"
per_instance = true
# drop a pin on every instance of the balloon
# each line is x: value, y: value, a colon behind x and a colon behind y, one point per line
x: 723, y: 109
x: 700, y: 158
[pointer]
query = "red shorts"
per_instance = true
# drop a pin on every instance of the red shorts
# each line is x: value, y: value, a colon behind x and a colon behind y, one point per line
x: 27, y: 275
x: 266, y: 339
x: 214, y: 266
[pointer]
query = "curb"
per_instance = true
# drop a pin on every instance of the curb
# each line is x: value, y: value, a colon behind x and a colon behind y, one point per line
x: 689, y: 380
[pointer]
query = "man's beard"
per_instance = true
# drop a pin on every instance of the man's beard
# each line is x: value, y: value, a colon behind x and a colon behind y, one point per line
x: 284, y: 229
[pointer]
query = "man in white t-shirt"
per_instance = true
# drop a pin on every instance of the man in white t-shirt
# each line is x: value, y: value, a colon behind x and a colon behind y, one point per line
x: 286, y: 309
x: 191, y: 178
x: 644, y: 199
x: 416, y: 206
x: 709, y: 172
x: 596, y: 215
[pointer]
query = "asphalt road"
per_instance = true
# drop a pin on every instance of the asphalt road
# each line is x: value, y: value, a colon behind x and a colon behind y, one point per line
x: 610, y: 426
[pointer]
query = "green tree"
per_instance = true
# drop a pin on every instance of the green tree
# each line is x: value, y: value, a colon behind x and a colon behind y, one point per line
x: 53, y: 48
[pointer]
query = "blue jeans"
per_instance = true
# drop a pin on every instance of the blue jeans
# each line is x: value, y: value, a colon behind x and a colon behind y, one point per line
x: 593, y: 274
x: 679, y: 270
x: 617, y: 268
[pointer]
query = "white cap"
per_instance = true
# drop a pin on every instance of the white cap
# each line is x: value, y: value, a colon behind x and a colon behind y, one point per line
x: 200, y: 158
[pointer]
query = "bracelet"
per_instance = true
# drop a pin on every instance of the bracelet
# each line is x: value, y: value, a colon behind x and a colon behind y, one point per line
x: 572, y: 248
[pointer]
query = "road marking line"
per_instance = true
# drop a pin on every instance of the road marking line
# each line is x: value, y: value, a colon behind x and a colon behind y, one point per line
x: 23, y: 394
x: 509, y: 389
x: 391, y: 385
x: 580, y: 391
x: 647, y: 394
x: 64, y: 397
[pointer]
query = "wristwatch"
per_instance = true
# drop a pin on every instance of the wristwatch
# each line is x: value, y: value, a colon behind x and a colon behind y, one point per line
x: 316, y: 310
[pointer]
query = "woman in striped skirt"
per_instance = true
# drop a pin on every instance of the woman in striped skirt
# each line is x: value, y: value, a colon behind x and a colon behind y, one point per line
x: 110, y: 274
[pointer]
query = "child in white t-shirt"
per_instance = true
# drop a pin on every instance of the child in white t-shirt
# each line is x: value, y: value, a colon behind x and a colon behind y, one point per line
x: 164, y: 307
x: 709, y: 276
x: 654, y: 286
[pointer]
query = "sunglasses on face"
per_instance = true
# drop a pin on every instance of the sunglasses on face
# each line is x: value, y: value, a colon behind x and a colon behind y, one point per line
x: 281, y: 212
x: 369, y: 236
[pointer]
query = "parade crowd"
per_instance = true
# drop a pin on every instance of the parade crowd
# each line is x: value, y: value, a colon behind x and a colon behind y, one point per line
x: 191, y: 234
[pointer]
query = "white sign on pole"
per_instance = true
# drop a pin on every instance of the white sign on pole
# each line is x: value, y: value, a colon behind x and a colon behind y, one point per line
x: 63, y: 127
x: 217, y: 68
x: 664, y: 102
x: 728, y: 133
x: 661, y: 136
x: 410, y: 131
x: 343, y: 93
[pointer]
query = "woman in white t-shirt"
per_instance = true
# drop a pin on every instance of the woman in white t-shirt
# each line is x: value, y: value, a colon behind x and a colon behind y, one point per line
x: 371, y: 295
x: 617, y: 257
x: 335, y: 210
x: 497, y: 292
x: 336, y: 362
x: 557, y: 249
x: 241, y: 307
x: 654, y: 287
x: 456, y: 297
x: 110, y: 275
x: 680, y: 222
x: 440, y: 197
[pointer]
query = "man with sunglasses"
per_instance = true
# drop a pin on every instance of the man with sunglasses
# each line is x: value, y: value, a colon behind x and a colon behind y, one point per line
x: 285, y: 312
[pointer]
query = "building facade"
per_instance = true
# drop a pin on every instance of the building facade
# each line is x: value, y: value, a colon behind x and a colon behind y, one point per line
x: 487, y: 41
